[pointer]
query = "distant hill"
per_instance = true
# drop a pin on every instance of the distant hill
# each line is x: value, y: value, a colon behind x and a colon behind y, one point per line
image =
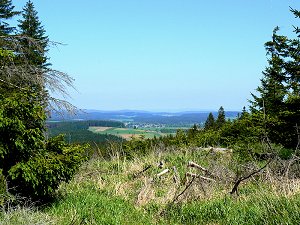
x: 77, y: 131
x: 142, y: 116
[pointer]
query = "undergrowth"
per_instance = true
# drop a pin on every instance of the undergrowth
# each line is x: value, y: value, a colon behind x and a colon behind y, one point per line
x: 120, y: 191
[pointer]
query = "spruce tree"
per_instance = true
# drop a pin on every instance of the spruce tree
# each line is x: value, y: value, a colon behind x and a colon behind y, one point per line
x: 31, y: 27
x: 278, y: 98
x: 244, y: 113
x: 192, y: 131
x: 210, y: 122
x: 6, y: 12
x: 32, y: 165
x: 272, y: 90
x: 220, y: 121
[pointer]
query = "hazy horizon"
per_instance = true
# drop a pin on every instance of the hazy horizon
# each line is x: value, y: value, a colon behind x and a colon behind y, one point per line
x: 162, y: 110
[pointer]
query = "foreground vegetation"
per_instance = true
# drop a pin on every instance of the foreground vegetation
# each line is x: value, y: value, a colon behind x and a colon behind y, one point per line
x: 120, y: 191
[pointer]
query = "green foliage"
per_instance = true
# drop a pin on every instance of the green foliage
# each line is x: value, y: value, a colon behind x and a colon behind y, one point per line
x: 44, y: 171
x: 30, y: 26
x: 6, y: 54
x: 6, y: 12
x: 244, y: 129
x: 210, y: 122
x: 59, y: 127
x: 136, y: 147
x: 180, y: 138
x: 220, y: 121
x: 279, y: 91
x: 77, y: 131
x: 192, y: 131
x: 208, y: 138
x: 32, y: 166
x: 21, y: 127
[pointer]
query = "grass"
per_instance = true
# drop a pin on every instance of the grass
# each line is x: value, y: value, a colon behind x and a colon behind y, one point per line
x: 89, y: 205
x: 127, y: 133
x: 260, y: 209
x: 115, y: 192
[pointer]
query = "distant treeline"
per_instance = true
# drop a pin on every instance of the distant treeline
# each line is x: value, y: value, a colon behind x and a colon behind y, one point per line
x: 77, y: 131
x: 173, y: 119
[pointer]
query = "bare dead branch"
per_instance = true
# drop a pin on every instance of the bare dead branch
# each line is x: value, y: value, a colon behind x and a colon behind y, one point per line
x: 295, y: 155
x: 162, y: 172
x: 60, y: 106
x: 188, y: 174
x: 241, y: 179
x: 206, y: 171
x: 181, y: 193
x: 176, y: 176
x: 195, y: 165
x: 18, y: 72
x: 141, y: 172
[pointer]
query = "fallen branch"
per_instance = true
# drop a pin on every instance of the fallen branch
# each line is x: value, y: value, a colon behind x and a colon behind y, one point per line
x: 206, y: 171
x: 141, y: 172
x: 176, y: 176
x: 195, y: 165
x: 186, y: 187
x: 188, y: 174
x: 162, y: 172
x: 241, y: 179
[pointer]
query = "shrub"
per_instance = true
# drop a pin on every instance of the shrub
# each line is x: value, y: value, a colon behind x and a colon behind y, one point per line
x: 43, y: 172
x: 32, y: 166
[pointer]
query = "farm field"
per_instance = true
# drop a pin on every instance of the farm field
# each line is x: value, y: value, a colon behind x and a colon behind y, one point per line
x: 127, y: 133
x: 168, y: 129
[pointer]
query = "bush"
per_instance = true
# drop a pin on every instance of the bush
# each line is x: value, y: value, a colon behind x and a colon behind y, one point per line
x: 42, y: 173
x: 32, y: 166
x: 208, y: 138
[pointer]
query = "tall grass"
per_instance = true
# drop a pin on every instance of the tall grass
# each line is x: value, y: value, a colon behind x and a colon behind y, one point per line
x: 116, y: 192
x: 257, y: 209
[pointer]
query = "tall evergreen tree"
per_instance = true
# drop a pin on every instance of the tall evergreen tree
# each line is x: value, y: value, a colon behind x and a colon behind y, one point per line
x: 32, y: 165
x: 210, y: 122
x: 6, y: 13
x: 31, y: 27
x: 272, y: 90
x: 279, y: 93
x: 192, y: 131
x: 220, y: 121
x: 244, y: 113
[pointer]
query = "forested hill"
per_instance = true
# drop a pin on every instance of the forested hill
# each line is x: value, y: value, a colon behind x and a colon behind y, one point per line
x: 77, y: 131
x: 145, y: 117
x: 84, y: 124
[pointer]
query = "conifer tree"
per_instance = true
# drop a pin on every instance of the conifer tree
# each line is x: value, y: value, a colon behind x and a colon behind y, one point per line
x: 32, y: 165
x: 210, y: 122
x: 192, y: 131
x: 6, y: 13
x: 272, y: 90
x: 244, y: 113
x: 31, y: 27
x: 278, y: 96
x: 220, y: 121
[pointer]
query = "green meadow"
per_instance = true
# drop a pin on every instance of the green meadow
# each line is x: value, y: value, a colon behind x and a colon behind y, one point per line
x: 127, y: 133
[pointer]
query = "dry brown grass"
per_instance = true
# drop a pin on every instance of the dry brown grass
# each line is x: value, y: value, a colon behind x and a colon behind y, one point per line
x: 129, y: 180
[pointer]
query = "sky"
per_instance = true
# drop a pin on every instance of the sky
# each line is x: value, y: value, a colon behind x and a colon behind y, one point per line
x: 162, y: 55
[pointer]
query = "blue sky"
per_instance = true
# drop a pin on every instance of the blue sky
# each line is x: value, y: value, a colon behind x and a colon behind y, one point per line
x: 162, y: 55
